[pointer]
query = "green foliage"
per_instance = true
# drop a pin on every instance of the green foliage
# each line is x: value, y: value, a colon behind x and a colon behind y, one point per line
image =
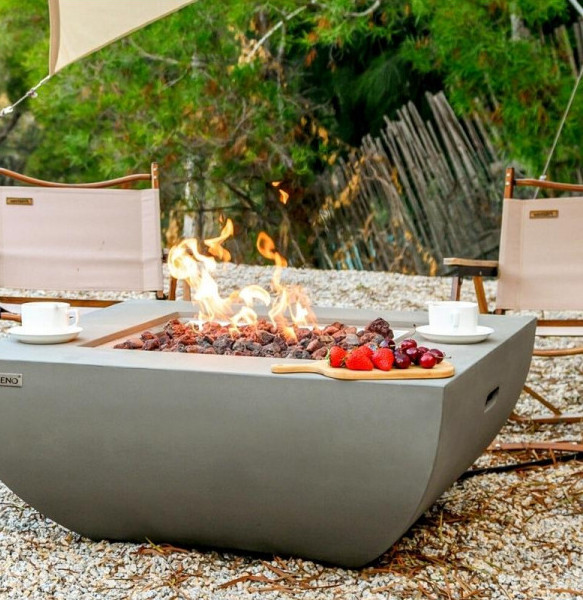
x: 515, y: 79
x: 229, y: 97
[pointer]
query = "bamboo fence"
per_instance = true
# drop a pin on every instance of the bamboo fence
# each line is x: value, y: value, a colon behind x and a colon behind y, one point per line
x: 423, y: 190
x: 419, y: 192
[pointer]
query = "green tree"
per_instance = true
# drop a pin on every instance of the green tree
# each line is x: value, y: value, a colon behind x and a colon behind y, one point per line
x: 498, y: 57
x: 209, y: 92
x: 230, y: 97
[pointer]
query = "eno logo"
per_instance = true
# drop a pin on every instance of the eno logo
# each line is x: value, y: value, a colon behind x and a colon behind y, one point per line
x: 11, y: 379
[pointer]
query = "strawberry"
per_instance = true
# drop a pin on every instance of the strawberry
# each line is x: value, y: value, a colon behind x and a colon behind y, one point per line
x: 336, y: 356
x: 383, y: 359
x: 366, y: 350
x: 358, y: 361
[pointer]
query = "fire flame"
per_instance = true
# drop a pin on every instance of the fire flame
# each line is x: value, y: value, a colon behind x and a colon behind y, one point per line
x: 283, y: 195
x: 186, y: 262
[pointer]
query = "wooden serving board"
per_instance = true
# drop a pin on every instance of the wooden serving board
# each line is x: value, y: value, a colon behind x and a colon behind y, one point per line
x: 443, y: 369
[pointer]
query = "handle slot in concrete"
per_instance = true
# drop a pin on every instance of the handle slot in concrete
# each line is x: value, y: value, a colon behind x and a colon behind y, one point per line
x: 491, y: 399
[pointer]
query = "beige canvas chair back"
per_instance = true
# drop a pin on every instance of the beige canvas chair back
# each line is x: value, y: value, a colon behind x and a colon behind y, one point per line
x: 540, y: 268
x: 77, y: 238
x: 541, y: 254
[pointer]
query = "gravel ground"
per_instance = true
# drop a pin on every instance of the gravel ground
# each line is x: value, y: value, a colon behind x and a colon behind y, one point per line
x: 507, y: 535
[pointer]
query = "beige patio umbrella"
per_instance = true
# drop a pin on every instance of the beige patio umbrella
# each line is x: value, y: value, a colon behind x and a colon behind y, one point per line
x: 80, y: 27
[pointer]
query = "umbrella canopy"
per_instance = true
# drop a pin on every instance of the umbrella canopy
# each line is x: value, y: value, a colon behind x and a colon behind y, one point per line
x: 79, y: 27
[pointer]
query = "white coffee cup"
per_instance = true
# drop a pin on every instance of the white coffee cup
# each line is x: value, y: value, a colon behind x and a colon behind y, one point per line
x: 453, y: 317
x: 48, y: 317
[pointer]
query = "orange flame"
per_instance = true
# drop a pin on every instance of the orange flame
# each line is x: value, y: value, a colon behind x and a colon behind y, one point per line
x: 291, y: 299
x: 266, y: 248
x: 186, y: 262
x: 283, y: 195
x: 214, y: 245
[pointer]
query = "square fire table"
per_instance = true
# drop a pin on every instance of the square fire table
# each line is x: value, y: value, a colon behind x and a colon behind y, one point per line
x: 218, y: 451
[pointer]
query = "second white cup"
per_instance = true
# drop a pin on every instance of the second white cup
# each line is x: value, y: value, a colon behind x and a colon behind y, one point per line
x: 454, y: 317
x: 48, y: 317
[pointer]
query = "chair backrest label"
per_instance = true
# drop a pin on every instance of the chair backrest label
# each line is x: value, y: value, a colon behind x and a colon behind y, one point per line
x: 544, y: 214
x: 19, y: 201
x: 11, y: 379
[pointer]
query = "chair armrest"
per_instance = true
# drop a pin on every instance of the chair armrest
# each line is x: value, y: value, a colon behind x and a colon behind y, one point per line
x: 8, y: 316
x: 476, y: 269
x: 467, y: 267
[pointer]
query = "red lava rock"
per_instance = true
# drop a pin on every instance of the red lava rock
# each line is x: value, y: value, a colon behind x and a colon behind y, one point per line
x: 352, y: 340
x: 368, y: 337
x: 151, y: 344
x: 380, y: 326
x: 320, y: 353
x: 330, y: 330
x: 135, y: 344
x: 303, y: 333
x: 314, y: 345
x: 262, y: 339
x: 265, y: 337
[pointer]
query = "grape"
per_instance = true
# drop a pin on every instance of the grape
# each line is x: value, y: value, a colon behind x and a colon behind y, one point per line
x: 427, y: 361
x: 409, y: 343
x: 413, y: 354
x: 402, y: 361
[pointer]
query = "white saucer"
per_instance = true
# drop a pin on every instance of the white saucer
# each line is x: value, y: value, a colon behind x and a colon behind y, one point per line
x: 58, y: 337
x: 432, y: 335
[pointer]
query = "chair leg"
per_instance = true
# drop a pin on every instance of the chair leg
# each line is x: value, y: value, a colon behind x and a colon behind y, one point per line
x: 456, y: 287
x: 562, y: 418
x: 541, y: 399
x: 480, y: 294
x: 172, y: 288
x: 185, y: 290
x: 559, y: 417
x: 560, y: 446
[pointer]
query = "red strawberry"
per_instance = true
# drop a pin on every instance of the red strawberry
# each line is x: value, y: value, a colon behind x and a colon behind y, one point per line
x: 383, y: 359
x: 364, y: 350
x: 358, y: 361
x: 336, y: 356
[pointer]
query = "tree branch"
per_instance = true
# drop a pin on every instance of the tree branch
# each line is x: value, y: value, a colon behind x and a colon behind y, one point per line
x: 155, y: 57
x: 577, y: 6
x: 241, y: 194
x: 369, y: 10
x: 277, y: 26
x: 11, y: 125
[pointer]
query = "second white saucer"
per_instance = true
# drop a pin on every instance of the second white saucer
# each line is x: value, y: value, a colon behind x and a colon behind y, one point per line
x: 432, y: 335
x: 30, y: 337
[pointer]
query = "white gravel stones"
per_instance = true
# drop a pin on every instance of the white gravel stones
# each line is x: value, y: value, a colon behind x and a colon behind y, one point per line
x: 515, y: 535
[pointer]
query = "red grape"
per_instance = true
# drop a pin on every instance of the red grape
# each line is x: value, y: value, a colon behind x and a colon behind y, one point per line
x: 402, y: 361
x: 409, y: 343
x: 427, y: 361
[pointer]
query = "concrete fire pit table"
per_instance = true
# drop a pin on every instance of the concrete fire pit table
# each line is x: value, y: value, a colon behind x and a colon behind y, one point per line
x: 218, y: 451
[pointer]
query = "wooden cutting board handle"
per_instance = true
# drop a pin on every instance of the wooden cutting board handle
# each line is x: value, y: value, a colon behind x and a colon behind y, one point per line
x: 440, y: 371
